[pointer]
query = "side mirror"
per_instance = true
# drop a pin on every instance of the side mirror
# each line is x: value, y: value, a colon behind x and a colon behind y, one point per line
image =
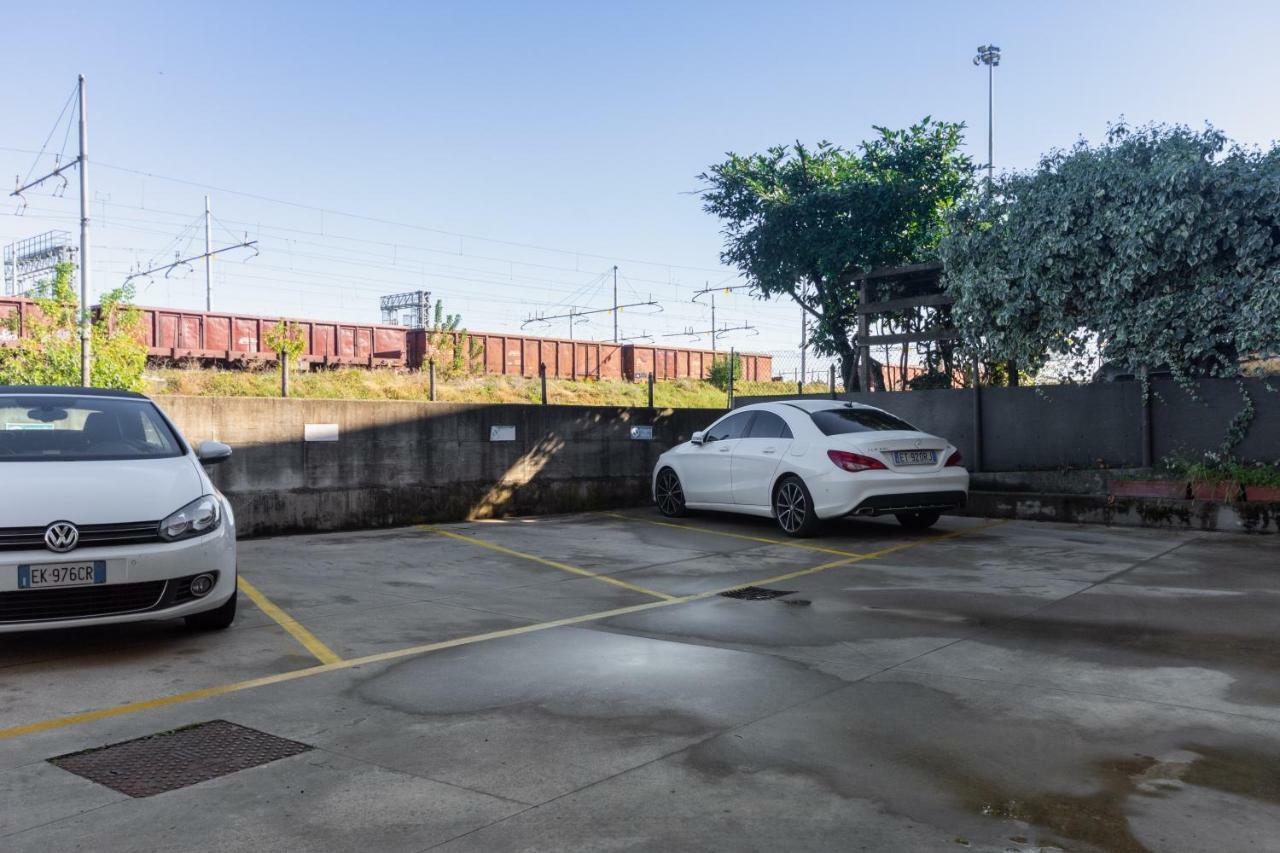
x: 212, y: 452
x: 696, y: 438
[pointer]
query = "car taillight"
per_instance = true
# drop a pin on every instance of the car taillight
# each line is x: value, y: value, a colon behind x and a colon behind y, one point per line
x: 955, y: 460
x: 854, y: 462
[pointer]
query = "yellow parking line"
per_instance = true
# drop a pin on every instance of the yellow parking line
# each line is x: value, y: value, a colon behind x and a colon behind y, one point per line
x: 564, y: 567
x: 309, y: 641
x: 282, y: 677
x: 808, y: 546
x: 337, y: 665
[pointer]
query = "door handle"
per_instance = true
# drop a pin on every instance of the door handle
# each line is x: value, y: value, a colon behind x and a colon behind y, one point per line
x: 769, y: 450
x: 724, y: 450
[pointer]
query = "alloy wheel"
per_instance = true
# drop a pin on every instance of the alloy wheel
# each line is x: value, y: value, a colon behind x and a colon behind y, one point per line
x: 790, y: 507
x: 670, y: 494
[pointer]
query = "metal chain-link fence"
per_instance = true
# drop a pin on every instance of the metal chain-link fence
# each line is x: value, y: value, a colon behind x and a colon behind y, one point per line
x: 793, y: 372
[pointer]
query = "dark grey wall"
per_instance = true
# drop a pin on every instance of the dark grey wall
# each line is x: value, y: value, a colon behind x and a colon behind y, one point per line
x: 1183, y: 425
x: 400, y: 463
x: 1087, y: 426
x: 1067, y: 426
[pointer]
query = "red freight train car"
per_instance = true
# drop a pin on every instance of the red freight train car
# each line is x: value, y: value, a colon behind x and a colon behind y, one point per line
x: 230, y: 338
x: 681, y: 363
x: 520, y: 355
x: 175, y: 334
x: 14, y: 311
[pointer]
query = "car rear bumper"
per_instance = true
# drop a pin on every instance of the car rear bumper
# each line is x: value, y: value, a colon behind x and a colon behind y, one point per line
x: 909, y: 502
x: 841, y: 493
x: 144, y: 582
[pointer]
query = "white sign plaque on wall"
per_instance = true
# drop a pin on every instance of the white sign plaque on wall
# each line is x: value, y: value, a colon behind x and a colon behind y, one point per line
x: 642, y: 433
x: 502, y: 433
x: 320, y: 432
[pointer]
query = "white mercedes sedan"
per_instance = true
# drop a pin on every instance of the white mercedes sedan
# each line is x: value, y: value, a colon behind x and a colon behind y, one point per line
x: 803, y: 461
x: 107, y: 515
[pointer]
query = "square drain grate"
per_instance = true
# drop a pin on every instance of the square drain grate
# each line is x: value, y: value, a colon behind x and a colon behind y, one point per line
x: 170, y: 760
x: 756, y: 593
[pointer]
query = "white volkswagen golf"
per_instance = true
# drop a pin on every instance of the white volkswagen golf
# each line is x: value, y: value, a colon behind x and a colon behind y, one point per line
x: 803, y: 461
x: 107, y: 514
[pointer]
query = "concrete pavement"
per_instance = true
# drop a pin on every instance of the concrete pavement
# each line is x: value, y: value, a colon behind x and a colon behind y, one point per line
x: 1020, y: 686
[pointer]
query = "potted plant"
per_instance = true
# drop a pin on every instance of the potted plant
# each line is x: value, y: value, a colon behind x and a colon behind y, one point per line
x: 1261, y: 482
x: 1149, y: 487
x: 1213, y: 478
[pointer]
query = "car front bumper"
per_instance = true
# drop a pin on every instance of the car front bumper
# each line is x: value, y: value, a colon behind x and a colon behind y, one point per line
x: 841, y: 493
x: 142, y: 579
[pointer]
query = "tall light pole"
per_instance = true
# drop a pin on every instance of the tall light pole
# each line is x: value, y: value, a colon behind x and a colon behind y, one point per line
x: 989, y: 55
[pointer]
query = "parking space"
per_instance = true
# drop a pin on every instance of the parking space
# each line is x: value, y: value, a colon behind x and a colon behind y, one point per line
x: 584, y: 683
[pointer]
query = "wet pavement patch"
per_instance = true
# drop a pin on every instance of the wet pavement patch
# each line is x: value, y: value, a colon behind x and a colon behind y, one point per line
x: 1097, y: 819
x: 756, y: 593
x: 166, y: 761
x: 1100, y: 818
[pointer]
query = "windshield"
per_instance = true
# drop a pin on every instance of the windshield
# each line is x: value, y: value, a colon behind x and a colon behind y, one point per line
x: 69, y: 428
x: 842, y: 421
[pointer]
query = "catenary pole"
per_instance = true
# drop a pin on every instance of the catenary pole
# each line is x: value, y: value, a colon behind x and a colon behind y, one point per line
x: 208, y: 258
x: 804, y: 342
x: 85, y: 337
x: 615, y: 303
x: 713, y: 323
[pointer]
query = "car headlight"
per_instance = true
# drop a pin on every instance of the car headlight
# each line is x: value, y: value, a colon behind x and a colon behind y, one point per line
x: 195, y: 519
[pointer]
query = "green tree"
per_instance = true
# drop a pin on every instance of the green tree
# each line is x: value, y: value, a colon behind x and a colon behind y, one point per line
x: 718, y: 375
x: 288, y: 340
x: 806, y: 222
x: 1160, y: 246
x: 450, y: 346
x: 48, y: 353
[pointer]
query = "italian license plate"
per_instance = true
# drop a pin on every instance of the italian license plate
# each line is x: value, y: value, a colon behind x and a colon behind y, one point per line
x: 915, y: 457
x: 62, y: 574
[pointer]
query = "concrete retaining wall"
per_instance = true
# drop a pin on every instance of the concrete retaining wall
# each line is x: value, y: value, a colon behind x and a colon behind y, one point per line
x: 397, y: 463
x: 1240, y: 517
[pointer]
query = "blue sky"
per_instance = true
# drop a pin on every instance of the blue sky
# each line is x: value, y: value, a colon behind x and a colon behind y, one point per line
x: 579, y: 127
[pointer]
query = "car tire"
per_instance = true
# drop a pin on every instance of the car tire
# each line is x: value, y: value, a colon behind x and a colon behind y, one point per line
x: 217, y: 619
x: 918, y: 520
x: 793, y: 507
x: 668, y: 493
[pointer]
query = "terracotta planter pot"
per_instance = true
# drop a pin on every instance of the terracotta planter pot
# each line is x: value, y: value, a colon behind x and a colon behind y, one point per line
x: 1223, y: 492
x: 1176, y: 489
x: 1266, y: 494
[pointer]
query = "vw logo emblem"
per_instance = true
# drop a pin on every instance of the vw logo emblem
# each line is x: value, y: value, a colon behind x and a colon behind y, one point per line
x: 61, y: 536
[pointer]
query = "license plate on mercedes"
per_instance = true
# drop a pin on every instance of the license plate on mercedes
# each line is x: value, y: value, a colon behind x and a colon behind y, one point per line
x: 915, y: 457
x: 62, y: 574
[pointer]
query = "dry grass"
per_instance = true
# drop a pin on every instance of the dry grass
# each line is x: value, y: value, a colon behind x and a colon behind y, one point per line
x: 359, y: 384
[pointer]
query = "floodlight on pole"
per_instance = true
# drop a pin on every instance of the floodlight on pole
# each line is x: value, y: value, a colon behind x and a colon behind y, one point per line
x: 989, y: 55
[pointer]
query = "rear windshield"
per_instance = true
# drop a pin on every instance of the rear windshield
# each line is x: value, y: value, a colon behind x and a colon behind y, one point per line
x: 69, y: 428
x: 842, y: 421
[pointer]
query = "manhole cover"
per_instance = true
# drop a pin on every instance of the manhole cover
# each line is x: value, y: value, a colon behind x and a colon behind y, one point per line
x: 169, y: 760
x: 756, y: 593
